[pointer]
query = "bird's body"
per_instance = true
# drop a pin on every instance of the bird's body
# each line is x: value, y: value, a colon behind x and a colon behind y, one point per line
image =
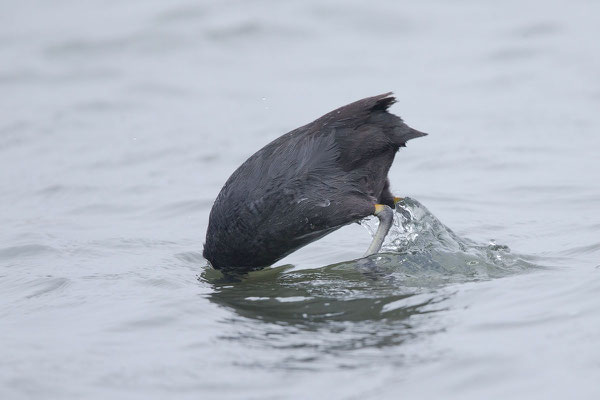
x: 306, y: 184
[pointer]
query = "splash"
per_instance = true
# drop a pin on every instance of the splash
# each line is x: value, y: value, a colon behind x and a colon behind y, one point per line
x: 419, y: 247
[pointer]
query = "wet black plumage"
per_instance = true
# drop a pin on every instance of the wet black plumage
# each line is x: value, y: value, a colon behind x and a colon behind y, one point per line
x: 306, y: 184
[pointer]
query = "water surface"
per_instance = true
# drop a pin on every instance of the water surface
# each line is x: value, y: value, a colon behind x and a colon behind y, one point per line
x: 122, y: 120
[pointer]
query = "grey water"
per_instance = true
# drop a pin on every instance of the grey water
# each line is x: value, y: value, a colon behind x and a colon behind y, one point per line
x: 120, y: 121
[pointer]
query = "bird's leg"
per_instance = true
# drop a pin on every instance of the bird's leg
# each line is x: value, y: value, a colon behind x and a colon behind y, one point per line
x: 386, y: 217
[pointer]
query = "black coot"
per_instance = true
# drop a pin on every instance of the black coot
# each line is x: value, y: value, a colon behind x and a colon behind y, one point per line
x: 306, y: 184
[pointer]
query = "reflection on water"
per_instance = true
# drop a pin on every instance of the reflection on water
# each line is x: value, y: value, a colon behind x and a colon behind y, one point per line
x: 316, y: 314
x: 334, y: 293
x: 367, y: 303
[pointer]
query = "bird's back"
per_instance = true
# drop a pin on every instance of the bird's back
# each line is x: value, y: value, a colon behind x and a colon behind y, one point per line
x: 289, y: 193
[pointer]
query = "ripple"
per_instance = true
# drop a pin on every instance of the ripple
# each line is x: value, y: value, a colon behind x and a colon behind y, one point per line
x: 137, y: 158
x: 132, y: 243
x: 183, y: 207
x: 102, y: 106
x: 14, y: 134
x: 251, y: 29
x: 46, y: 286
x: 539, y: 29
x: 145, y: 323
x: 319, y: 316
x: 513, y: 54
x: 177, y: 15
x: 160, y: 283
x: 139, y: 42
x: 104, y: 209
x: 194, y: 257
x: 27, y: 250
x: 34, y: 77
x: 158, y: 89
x: 548, y: 189
x: 63, y: 190
x: 578, y: 250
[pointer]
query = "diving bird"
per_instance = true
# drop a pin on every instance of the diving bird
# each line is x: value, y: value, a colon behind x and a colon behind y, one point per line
x: 306, y: 184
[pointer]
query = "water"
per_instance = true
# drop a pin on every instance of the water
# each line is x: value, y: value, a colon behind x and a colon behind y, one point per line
x: 121, y: 121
